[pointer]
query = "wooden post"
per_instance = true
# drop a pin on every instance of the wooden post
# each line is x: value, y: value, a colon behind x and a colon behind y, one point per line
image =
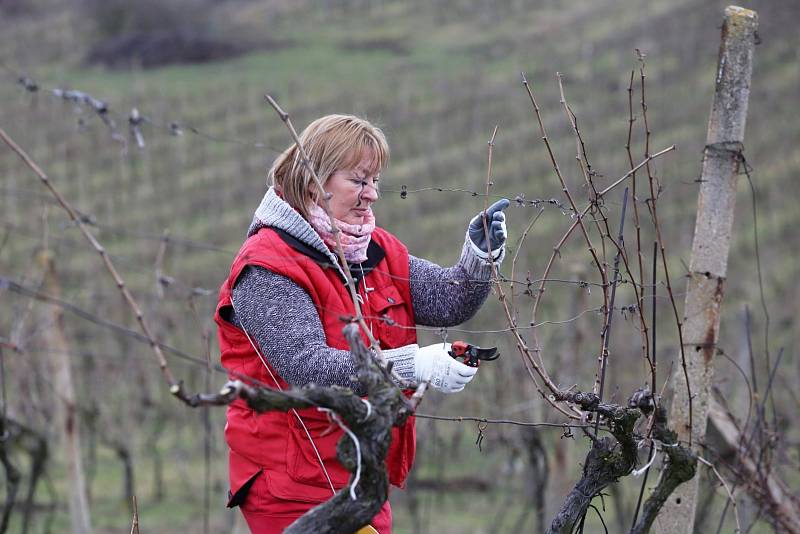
x: 66, y: 407
x: 709, y: 260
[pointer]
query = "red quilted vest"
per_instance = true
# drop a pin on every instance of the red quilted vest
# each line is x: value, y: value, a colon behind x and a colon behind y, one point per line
x: 275, y: 442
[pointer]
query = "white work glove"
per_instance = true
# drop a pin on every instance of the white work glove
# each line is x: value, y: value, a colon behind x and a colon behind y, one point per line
x: 433, y: 364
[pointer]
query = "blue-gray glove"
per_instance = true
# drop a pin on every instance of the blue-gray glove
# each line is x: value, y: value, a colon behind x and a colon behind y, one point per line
x: 497, y: 230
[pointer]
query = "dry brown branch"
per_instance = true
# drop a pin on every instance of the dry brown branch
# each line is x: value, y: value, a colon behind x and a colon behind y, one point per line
x: 604, y: 230
x: 531, y: 365
x: 161, y: 280
x: 325, y: 196
x: 13, y: 476
x: 609, y: 313
x: 516, y: 254
x: 601, y: 267
x: 486, y: 221
x: 731, y: 498
x: 637, y: 225
x: 19, y: 437
x: 652, y: 205
x: 557, y: 248
x: 586, y: 169
x: 175, y: 387
x: 766, y: 488
x: 135, y: 522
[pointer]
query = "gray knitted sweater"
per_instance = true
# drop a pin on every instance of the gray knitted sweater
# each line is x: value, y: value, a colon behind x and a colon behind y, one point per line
x: 281, y: 317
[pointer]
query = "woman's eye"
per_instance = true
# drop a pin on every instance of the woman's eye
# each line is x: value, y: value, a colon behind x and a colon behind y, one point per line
x: 364, y: 182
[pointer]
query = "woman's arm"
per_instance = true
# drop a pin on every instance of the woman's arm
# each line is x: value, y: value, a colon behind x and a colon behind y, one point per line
x: 280, y: 317
x: 449, y: 296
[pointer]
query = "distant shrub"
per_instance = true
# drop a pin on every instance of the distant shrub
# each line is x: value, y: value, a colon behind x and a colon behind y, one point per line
x: 153, y: 33
x: 11, y: 8
x: 115, y: 17
x: 397, y: 46
x: 159, y: 48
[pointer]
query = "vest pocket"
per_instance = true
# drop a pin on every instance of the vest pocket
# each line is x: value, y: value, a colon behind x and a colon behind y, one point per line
x: 391, y: 317
x: 302, y: 463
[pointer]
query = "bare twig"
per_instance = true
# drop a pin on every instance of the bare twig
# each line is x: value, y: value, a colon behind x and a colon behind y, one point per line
x: 13, y: 475
x: 636, y: 223
x: 731, y: 498
x: 463, y: 418
x: 586, y: 169
x: 485, y: 218
x: 175, y: 387
x: 516, y: 254
x: 530, y: 364
x: 135, y: 522
x: 609, y: 314
x: 652, y: 361
x: 579, y: 219
x: 161, y: 280
x: 652, y: 205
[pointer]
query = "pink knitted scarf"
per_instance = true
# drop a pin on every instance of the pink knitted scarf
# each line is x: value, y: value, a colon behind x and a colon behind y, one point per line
x: 354, y: 237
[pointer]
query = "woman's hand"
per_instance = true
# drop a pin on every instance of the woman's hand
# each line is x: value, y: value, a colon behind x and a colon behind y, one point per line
x: 434, y: 364
x: 496, y: 223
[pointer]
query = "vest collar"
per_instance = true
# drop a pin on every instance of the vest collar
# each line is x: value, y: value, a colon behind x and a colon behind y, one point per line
x: 375, y: 255
x: 276, y: 213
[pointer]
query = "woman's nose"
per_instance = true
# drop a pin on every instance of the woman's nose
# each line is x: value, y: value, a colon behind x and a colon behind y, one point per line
x: 369, y: 193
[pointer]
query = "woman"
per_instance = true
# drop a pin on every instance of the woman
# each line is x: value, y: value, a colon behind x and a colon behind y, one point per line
x: 280, y: 317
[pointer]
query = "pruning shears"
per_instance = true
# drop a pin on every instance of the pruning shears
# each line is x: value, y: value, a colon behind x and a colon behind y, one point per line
x: 472, y: 354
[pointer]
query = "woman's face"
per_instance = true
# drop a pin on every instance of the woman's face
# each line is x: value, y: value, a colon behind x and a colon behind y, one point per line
x: 354, y: 191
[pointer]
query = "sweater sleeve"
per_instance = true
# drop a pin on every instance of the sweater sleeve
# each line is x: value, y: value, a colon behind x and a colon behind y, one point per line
x: 282, y: 320
x: 449, y: 296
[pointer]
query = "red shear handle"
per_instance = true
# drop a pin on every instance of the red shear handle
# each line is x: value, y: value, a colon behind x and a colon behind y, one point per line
x: 459, y: 348
x: 462, y: 349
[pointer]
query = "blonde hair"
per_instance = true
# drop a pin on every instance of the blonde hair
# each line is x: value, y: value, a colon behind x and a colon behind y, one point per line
x: 332, y: 143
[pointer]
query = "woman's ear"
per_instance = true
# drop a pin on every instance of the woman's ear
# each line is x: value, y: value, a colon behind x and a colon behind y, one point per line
x: 313, y: 190
x: 312, y: 194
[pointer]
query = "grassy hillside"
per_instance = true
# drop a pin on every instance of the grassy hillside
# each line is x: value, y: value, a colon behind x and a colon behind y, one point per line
x: 437, y: 76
